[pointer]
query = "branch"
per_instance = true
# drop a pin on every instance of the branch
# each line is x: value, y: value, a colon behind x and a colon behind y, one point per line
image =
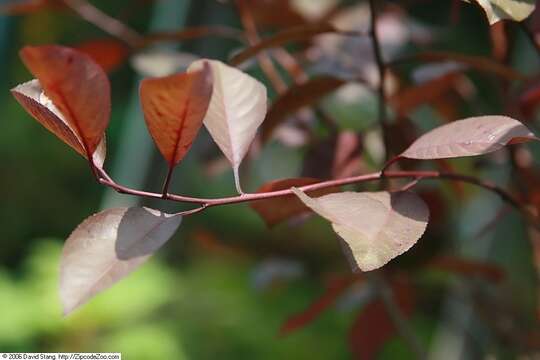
x: 193, y: 33
x: 105, y: 22
x: 381, y: 67
x: 377, y: 176
x: 252, y: 35
x: 395, y: 314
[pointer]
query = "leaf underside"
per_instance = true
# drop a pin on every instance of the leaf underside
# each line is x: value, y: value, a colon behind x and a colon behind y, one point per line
x: 375, y: 226
x: 108, y: 246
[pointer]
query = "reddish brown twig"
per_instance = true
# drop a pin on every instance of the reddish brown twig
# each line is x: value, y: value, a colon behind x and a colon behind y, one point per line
x: 377, y: 176
x: 105, y: 22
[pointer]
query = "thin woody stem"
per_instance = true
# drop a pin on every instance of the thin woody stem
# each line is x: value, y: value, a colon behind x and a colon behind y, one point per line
x: 166, y: 183
x: 252, y: 35
x: 105, y: 22
x: 377, y: 176
x: 381, y: 67
x: 394, y: 312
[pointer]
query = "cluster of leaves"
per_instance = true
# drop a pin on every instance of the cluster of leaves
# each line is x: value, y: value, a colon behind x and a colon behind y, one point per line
x: 75, y: 104
x: 374, y: 227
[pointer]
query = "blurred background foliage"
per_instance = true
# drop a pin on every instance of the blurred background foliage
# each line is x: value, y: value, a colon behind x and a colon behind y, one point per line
x: 225, y: 285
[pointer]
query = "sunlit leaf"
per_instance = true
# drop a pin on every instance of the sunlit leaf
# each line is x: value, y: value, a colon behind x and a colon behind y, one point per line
x: 497, y: 10
x: 236, y: 110
x: 100, y: 153
x: 108, y: 246
x: 469, y: 137
x: 296, y: 97
x: 315, y: 10
x: 32, y: 98
x: 174, y: 108
x: 76, y: 85
x: 276, y: 210
x: 376, y: 226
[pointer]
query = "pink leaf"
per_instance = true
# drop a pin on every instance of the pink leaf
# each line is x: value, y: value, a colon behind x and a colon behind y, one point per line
x: 108, y: 246
x: 469, y: 137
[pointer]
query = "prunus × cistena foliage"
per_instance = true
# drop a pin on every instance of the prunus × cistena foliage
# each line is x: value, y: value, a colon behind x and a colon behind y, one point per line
x: 71, y: 97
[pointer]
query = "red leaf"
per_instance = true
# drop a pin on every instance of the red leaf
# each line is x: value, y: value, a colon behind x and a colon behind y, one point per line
x: 275, y: 13
x: 347, y: 157
x: 468, y: 267
x: 109, y: 54
x: 303, y: 32
x: 373, y: 327
x: 30, y: 96
x: 479, y: 63
x: 412, y: 97
x: 275, y: 210
x: 530, y: 98
x: 76, y: 85
x: 174, y: 108
x: 335, y: 157
x: 28, y: 6
x: 334, y: 290
x: 295, y: 98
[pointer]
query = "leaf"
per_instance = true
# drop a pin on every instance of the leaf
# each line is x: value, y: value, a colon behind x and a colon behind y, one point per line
x: 327, y: 299
x: 31, y: 97
x: 408, y: 99
x: 348, y: 155
x: 23, y: 7
x: 265, y: 14
x: 76, y: 85
x: 174, y: 108
x: 295, y: 98
x: 529, y: 98
x: 100, y: 154
x: 276, y: 210
x: 109, y: 54
x: 479, y: 63
x: 375, y: 226
x: 236, y: 110
x: 469, y: 137
x: 468, y: 268
x: 302, y: 32
x: 108, y: 246
x: 497, y: 10
x: 374, y: 327
x: 161, y: 62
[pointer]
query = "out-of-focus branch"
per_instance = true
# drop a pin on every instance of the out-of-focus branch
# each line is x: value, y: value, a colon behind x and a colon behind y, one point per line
x: 400, y: 322
x: 105, y: 22
x: 381, y: 67
x: 248, y: 22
